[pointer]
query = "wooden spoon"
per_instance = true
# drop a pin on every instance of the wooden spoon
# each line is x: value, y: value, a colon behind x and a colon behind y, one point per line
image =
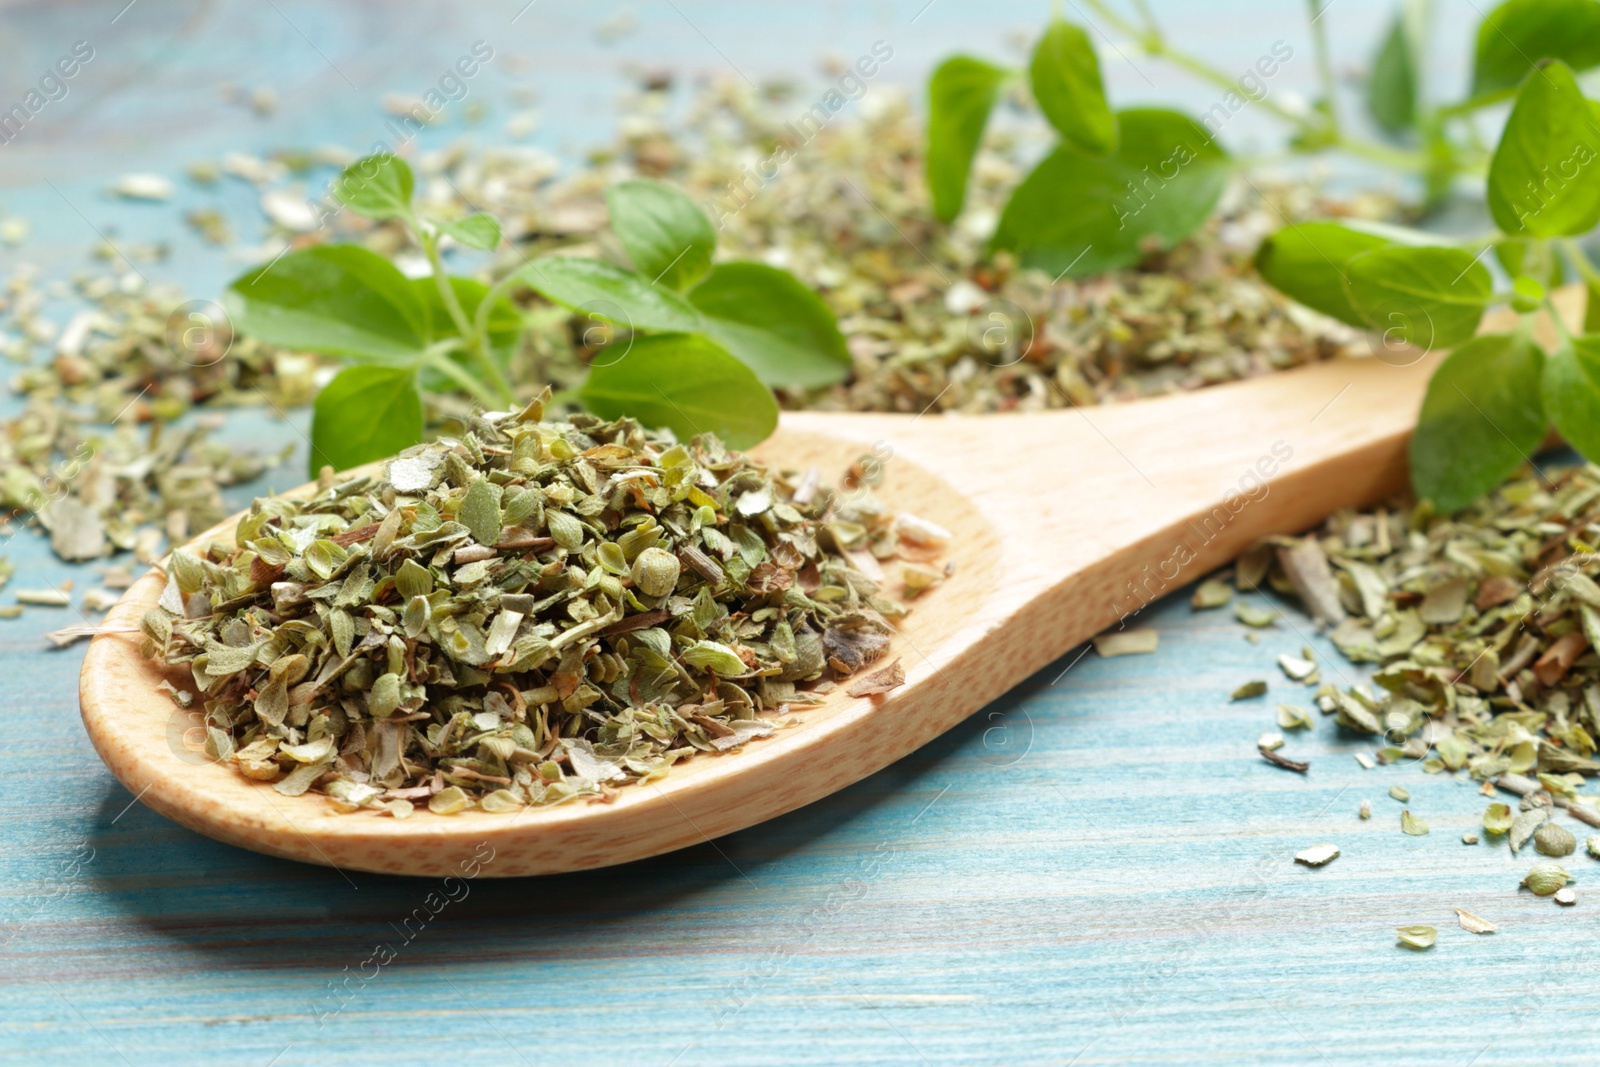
x: 1064, y: 523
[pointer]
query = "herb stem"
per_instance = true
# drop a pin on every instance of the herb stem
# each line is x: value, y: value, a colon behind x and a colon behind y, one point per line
x: 475, y: 342
x: 444, y: 365
x: 1118, y: 23
x: 1206, y: 72
x: 1330, y: 89
x: 1555, y: 315
x: 1155, y: 45
x: 1398, y: 158
x: 1325, y: 133
x: 1475, y: 243
x: 1151, y: 26
x: 1463, y: 108
x: 501, y: 288
x: 1580, y: 260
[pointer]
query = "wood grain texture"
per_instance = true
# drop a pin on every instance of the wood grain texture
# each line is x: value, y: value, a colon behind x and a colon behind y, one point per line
x: 1059, y: 532
x: 1094, y: 869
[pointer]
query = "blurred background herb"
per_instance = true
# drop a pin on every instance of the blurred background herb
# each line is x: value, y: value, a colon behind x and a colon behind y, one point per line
x: 406, y: 336
x: 1122, y: 182
x: 759, y: 244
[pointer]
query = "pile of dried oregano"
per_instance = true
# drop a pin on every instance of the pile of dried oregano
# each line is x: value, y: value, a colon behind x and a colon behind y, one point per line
x: 527, y: 613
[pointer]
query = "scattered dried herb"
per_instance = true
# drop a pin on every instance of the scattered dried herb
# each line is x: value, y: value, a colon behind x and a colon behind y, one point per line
x: 879, y: 682
x: 1285, y: 762
x: 1543, y: 879
x: 1417, y: 937
x: 1473, y: 924
x: 1254, y: 615
x: 1291, y: 717
x: 1253, y: 688
x: 1527, y: 823
x: 1211, y: 593
x: 1482, y: 629
x: 1301, y: 668
x: 1552, y: 839
x: 1127, y: 643
x: 1479, y: 625
x: 44, y: 598
x: 1412, y: 825
x: 1317, y: 855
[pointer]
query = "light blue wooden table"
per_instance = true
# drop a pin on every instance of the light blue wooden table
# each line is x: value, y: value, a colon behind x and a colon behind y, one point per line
x: 1095, y: 869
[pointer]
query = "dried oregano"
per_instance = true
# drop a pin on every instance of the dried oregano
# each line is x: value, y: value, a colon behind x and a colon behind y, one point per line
x: 1417, y: 937
x: 1317, y: 855
x: 1552, y: 839
x: 1412, y: 825
x: 1543, y: 879
x: 527, y: 613
x: 1483, y: 627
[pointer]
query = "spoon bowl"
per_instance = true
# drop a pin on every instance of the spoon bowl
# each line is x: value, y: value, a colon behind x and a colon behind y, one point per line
x: 1064, y: 523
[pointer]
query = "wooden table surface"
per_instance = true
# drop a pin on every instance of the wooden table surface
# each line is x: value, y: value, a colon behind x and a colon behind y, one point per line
x: 1095, y: 869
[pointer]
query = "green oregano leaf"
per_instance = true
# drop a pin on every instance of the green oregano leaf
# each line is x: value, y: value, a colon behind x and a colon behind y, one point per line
x: 1528, y: 294
x: 1417, y: 937
x: 715, y: 657
x: 773, y: 323
x: 1427, y: 297
x: 1065, y: 77
x: 1307, y: 261
x: 340, y: 300
x: 1392, y: 83
x: 480, y: 512
x: 1482, y: 417
x: 610, y: 293
x: 365, y: 414
x: 378, y: 186
x: 1572, y: 392
x: 687, y: 383
x: 666, y: 235
x: 1518, y: 34
x: 1539, y: 180
x: 1078, y: 214
x: 961, y: 94
x: 478, y: 231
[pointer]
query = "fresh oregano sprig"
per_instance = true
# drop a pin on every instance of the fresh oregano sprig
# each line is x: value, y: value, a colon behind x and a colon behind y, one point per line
x: 1121, y: 181
x: 1118, y: 180
x: 1436, y: 139
x: 1493, y: 398
x: 1083, y: 209
x: 763, y: 315
x: 699, y: 347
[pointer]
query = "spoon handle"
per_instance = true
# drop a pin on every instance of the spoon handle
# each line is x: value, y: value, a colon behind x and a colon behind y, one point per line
x: 1101, y: 511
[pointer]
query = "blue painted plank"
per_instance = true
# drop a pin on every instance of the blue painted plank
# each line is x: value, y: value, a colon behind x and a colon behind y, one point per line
x: 1096, y: 869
